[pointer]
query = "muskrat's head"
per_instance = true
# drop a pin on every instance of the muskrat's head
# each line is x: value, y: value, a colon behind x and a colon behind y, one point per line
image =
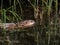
x: 26, y: 24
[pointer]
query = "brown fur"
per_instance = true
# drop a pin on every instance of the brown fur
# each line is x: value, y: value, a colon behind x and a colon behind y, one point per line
x: 22, y: 24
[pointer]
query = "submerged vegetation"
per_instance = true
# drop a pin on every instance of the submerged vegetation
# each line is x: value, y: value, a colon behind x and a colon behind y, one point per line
x: 45, y: 13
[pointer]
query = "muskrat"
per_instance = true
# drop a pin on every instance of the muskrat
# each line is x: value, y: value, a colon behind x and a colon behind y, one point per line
x: 19, y: 25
